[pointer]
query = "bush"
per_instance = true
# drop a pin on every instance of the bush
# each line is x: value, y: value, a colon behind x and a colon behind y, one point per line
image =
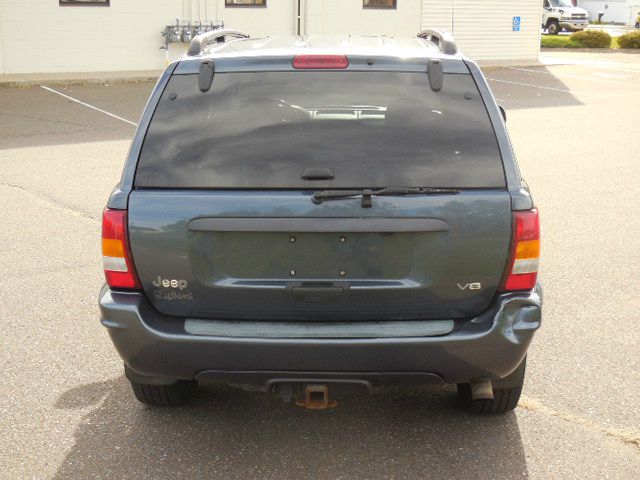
x: 591, y: 39
x: 629, y: 40
x: 556, y: 41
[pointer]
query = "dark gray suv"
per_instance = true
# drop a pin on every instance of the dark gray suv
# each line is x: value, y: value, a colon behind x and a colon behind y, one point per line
x: 307, y: 215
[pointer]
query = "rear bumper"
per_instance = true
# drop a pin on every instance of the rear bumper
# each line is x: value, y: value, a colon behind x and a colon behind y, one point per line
x: 156, y: 348
x: 574, y: 25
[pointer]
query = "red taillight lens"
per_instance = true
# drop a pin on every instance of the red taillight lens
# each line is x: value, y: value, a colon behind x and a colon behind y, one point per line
x: 525, y: 252
x: 116, y: 258
x: 319, y: 62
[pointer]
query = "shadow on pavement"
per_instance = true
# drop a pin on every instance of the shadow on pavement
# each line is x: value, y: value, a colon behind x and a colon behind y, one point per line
x: 32, y: 117
x: 230, y: 433
x: 530, y: 87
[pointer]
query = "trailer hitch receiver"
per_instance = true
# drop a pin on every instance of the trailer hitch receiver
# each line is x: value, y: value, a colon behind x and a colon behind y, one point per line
x: 316, y: 397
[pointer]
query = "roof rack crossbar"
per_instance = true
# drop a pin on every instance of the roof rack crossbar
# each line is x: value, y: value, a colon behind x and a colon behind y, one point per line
x: 441, y: 39
x: 200, y: 42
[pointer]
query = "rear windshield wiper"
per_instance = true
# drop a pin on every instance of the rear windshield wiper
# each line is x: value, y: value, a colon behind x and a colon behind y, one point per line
x: 322, y: 195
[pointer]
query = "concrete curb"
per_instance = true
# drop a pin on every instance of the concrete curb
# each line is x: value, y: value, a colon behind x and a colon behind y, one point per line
x: 508, y: 63
x: 90, y: 78
x: 591, y: 50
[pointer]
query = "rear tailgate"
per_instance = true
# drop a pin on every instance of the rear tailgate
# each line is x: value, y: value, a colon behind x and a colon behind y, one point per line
x: 234, y: 256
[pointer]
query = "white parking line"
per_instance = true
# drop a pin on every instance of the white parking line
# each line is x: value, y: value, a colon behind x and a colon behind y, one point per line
x: 88, y: 106
x: 554, y: 89
x: 579, y: 77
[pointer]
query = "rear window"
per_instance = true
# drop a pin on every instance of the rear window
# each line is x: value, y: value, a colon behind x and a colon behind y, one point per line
x: 369, y: 129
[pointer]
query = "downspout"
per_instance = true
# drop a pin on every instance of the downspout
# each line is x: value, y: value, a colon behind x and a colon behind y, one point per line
x: 300, y: 17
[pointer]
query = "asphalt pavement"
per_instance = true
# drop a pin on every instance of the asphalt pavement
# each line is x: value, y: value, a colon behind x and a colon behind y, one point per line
x: 66, y: 410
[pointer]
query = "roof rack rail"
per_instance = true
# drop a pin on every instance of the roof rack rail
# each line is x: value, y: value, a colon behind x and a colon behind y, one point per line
x: 441, y: 39
x: 200, y: 42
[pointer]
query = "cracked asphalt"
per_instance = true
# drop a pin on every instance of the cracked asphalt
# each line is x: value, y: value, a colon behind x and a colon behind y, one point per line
x: 65, y: 407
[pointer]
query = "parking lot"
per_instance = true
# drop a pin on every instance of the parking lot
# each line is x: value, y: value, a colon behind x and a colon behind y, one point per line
x: 66, y: 410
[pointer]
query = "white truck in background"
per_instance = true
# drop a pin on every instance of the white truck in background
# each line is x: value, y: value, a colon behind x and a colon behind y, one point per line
x: 559, y: 15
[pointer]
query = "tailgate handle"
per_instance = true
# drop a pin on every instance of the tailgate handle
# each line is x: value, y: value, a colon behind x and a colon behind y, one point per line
x: 318, y: 224
x: 317, y: 292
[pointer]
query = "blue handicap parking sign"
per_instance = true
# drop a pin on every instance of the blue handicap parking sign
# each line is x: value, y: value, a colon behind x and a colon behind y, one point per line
x: 516, y: 24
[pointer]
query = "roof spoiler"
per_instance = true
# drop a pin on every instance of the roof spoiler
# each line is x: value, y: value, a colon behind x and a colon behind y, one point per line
x: 441, y: 39
x: 200, y: 42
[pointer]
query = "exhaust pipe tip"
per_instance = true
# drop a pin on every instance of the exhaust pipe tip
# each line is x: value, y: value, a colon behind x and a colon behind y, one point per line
x: 481, y: 389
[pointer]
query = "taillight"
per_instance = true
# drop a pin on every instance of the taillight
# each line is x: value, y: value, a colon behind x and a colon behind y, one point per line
x: 525, y: 252
x: 116, y: 257
x: 316, y: 62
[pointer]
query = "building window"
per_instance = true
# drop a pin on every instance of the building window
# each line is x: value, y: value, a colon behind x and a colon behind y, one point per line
x: 245, y: 3
x: 86, y: 3
x: 389, y: 4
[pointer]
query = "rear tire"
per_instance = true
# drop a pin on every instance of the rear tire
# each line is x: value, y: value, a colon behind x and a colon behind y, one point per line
x: 553, y: 27
x: 164, y: 395
x: 506, y: 393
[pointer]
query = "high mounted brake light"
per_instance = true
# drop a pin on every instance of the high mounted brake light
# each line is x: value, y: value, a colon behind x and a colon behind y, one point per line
x: 116, y: 257
x: 525, y: 252
x: 320, y: 62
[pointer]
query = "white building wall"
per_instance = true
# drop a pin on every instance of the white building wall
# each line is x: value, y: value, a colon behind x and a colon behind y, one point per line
x: 484, y: 29
x: 277, y: 18
x: 614, y: 10
x: 348, y: 17
x: 634, y: 10
x: 437, y: 14
x: 124, y: 36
